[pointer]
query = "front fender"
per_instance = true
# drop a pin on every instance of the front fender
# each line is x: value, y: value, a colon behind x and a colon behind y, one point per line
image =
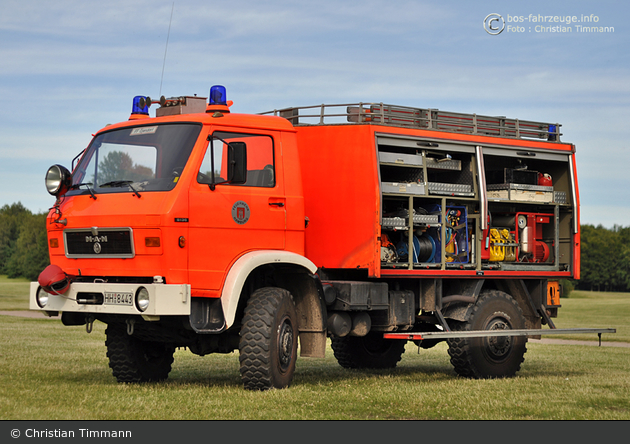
x: 242, y: 268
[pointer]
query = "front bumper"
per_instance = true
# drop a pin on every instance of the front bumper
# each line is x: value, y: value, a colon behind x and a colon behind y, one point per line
x: 81, y: 297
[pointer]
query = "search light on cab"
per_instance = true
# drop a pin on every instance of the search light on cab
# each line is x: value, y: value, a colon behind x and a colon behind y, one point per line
x: 58, y: 180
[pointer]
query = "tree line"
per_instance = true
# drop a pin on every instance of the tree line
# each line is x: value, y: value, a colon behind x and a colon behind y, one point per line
x: 605, y: 258
x: 605, y: 252
x: 23, y: 242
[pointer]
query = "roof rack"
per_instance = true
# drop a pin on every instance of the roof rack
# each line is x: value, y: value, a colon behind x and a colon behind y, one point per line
x: 423, y: 118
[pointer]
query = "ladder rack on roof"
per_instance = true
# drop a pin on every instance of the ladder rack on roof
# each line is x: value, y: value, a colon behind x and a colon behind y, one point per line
x: 423, y: 118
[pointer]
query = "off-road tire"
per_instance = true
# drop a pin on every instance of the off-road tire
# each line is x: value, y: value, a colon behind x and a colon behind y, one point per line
x: 493, y: 357
x: 269, y: 338
x: 371, y: 351
x: 133, y: 360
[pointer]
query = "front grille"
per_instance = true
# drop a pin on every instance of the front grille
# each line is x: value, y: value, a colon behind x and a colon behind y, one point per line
x: 99, y: 242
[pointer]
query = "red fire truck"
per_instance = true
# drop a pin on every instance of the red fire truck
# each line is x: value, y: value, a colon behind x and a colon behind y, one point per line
x: 367, y: 224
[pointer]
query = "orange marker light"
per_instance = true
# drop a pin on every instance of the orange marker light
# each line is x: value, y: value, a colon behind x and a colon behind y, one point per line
x: 151, y: 241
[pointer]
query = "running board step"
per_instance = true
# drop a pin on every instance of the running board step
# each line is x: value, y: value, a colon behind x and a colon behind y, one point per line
x: 489, y: 333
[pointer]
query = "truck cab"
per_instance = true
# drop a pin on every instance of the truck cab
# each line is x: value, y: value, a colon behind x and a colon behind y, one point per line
x: 167, y: 225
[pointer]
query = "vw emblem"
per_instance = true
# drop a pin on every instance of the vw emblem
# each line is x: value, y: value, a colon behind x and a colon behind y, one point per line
x: 97, y: 247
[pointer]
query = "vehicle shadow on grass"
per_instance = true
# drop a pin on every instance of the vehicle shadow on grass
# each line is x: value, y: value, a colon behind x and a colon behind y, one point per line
x: 223, y: 371
x: 310, y: 375
x: 329, y: 374
x: 175, y: 379
x: 332, y: 377
x: 332, y: 373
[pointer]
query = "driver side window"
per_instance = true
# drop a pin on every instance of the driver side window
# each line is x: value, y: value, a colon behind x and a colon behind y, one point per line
x: 260, y: 163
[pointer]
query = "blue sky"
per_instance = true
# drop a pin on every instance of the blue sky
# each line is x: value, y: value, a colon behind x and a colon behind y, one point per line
x: 68, y: 68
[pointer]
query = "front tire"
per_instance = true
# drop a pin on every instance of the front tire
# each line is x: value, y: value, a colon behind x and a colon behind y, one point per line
x: 133, y: 360
x: 269, y: 338
x: 491, y: 357
x: 370, y: 351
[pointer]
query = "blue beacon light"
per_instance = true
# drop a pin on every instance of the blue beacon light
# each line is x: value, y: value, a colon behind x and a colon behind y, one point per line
x: 218, y: 95
x: 140, y: 108
x: 217, y: 102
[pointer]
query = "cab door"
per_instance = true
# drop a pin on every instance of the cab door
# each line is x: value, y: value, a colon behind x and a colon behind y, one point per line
x: 227, y: 219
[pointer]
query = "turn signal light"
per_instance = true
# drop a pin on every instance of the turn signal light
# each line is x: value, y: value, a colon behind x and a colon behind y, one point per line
x: 151, y: 241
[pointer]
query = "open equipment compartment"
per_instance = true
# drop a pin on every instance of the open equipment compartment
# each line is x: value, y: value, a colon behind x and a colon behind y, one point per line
x: 530, y: 196
x: 428, y: 190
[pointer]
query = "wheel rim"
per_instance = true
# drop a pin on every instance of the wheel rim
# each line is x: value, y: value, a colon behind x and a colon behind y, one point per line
x: 285, y: 344
x: 498, y: 348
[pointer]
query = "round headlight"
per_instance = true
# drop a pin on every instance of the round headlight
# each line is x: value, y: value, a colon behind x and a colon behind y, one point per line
x: 58, y: 180
x: 41, y: 297
x: 142, y: 299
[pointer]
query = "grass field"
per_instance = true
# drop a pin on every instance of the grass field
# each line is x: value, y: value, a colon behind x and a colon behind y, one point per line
x: 13, y: 294
x: 597, y: 310
x: 48, y: 371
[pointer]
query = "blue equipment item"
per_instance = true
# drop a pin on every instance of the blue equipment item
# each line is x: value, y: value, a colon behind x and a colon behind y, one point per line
x: 424, y: 248
x: 402, y: 248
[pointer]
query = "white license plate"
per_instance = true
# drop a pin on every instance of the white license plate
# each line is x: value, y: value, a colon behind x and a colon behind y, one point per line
x: 118, y: 298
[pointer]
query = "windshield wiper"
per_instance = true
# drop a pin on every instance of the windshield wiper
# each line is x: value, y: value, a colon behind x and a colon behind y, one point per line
x: 121, y: 183
x: 88, y: 185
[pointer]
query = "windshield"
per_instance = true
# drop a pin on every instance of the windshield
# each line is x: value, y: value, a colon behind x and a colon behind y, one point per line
x: 130, y: 160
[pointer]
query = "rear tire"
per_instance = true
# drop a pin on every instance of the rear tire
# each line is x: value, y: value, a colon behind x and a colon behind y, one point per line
x: 492, y: 357
x: 269, y: 338
x: 133, y: 360
x: 370, y: 351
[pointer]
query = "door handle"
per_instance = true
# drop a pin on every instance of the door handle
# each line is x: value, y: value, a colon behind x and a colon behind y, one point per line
x: 277, y: 204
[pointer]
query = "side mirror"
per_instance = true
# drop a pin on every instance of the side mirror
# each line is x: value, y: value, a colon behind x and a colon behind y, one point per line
x: 237, y: 163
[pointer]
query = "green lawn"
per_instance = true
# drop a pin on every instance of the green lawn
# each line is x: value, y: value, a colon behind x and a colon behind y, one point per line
x: 48, y: 371
x: 13, y: 294
x: 597, y: 310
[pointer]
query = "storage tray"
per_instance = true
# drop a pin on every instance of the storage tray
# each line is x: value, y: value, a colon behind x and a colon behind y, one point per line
x: 400, y: 159
x: 518, y: 186
x: 430, y: 219
x: 521, y: 195
x: 403, y: 222
x: 402, y: 188
x: 450, y: 188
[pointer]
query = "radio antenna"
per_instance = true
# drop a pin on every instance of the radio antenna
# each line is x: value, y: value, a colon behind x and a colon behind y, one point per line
x: 166, y: 49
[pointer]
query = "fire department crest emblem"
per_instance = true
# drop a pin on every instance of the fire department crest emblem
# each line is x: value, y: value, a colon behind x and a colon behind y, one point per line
x: 240, y: 212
